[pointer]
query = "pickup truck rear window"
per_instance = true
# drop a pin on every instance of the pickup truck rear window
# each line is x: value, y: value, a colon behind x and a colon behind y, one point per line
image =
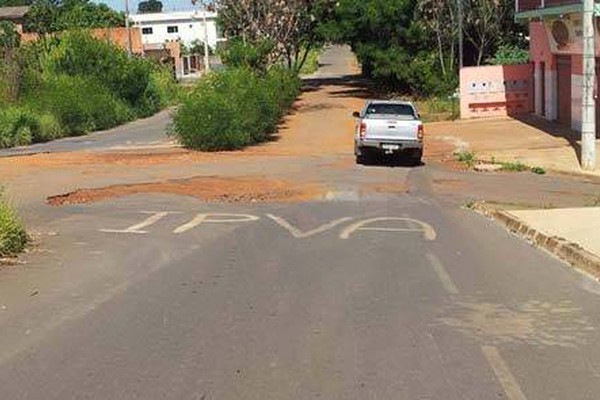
x: 404, y: 110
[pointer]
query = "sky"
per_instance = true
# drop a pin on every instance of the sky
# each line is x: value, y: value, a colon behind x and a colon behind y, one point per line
x: 168, y: 5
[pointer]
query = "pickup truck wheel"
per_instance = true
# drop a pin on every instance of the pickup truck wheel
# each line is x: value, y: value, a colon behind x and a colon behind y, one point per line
x: 417, y: 157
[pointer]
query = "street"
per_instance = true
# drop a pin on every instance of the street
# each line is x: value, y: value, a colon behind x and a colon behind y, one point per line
x: 286, y: 272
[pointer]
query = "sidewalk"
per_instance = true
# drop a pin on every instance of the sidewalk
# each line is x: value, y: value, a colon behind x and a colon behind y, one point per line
x: 572, y: 234
x: 530, y: 140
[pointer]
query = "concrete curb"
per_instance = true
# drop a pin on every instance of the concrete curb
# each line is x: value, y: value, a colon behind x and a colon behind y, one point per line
x: 567, y: 251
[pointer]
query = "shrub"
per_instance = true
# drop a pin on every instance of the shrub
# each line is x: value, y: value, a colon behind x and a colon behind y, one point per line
x: 13, y: 237
x: 466, y: 157
x: 161, y: 91
x: 238, y: 54
x: 79, y: 54
x: 18, y: 126
x: 80, y: 105
x: 234, y: 109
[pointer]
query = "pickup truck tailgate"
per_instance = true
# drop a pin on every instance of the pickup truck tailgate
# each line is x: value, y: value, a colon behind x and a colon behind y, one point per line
x: 391, y: 129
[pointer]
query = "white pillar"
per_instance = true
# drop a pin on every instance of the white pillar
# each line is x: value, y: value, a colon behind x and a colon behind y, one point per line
x: 588, y: 111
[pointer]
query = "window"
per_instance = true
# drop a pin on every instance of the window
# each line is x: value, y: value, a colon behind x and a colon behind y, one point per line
x: 404, y: 110
x: 172, y: 29
x: 146, y: 31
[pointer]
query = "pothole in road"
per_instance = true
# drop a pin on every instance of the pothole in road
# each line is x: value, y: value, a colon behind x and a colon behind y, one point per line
x: 217, y: 189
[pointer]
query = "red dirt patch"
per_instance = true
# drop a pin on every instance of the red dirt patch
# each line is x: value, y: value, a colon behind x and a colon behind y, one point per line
x: 228, y: 190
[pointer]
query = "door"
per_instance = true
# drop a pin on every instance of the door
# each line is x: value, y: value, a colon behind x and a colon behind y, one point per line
x: 563, y: 65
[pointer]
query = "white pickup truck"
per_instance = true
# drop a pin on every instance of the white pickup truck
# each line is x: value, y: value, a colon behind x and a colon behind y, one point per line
x: 390, y: 128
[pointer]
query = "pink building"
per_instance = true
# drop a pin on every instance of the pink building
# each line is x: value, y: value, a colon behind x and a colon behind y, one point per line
x: 556, y: 48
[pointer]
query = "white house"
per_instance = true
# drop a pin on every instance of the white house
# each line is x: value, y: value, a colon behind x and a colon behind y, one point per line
x: 186, y: 26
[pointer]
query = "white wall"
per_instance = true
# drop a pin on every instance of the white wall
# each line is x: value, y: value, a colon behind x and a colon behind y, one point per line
x: 551, y: 94
x: 576, y: 100
x: 190, y: 28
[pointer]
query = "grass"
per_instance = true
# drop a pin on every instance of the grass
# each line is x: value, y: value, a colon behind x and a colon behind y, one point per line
x: 13, y: 237
x: 466, y: 157
x: 514, y: 166
x: 438, y: 109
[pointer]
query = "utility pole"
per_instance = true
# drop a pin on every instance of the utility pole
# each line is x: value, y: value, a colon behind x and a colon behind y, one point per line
x: 461, y: 18
x: 588, y: 114
x: 129, y: 50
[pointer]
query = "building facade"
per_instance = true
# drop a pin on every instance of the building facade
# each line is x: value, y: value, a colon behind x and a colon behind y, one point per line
x: 556, y: 52
x: 186, y: 27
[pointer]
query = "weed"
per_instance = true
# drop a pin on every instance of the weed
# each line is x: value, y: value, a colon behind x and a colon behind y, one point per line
x: 514, y: 166
x: 466, y: 157
x: 538, y: 170
x: 13, y: 237
x: 470, y: 205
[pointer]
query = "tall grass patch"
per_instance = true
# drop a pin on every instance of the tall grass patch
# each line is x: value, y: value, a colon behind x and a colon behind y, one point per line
x: 13, y: 237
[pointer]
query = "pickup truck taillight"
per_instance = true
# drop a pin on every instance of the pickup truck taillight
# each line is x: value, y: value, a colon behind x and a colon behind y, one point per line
x: 363, y: 129
x: 421, y: 132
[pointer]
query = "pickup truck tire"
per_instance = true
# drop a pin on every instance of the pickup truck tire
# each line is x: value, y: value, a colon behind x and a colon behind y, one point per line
x: 417, y: 157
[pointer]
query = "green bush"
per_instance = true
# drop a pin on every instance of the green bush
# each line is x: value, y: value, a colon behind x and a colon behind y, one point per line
x: 235, y: 108
x: 239, y: 54
x: 18, y: 126
x: 22, y: 126
x: 13, y: 237
x: 80, y: 105
x: 79, y: 54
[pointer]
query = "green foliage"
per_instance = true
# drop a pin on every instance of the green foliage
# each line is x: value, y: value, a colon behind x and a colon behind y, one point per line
x: 435, y: 109
x: 235, y: 108
x: 538, y: 170
x: 13, y: 237
x: 150, y: 6
x: 509, y: 55
x: 514, y: 166
x: 73, y: 84
x: 17, y: 126
x: 196, y: 47
x: 79, y: 54
x: 311, y: 65
x: 9, y: 37
x: 48, y: 16
x: 392, y: 45
x: 466, y: 157
x: 81, y: 105
x: 238, y: 54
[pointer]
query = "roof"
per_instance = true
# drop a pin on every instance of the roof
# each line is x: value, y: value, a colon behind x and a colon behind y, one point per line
x: 10, y: 13
x: 171, y: 16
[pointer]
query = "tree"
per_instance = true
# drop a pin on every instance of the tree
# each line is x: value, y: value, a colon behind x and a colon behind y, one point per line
x: 48, y: 16
x: 150, y: 6
x: 292, y: 26
x: 440, y: 19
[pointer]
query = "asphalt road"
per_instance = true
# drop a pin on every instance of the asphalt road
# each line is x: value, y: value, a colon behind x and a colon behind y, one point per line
x: 355, y: 296
x: 140, y: 134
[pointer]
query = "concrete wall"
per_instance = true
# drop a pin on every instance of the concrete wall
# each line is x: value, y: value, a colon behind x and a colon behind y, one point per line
x: 496, y: 90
